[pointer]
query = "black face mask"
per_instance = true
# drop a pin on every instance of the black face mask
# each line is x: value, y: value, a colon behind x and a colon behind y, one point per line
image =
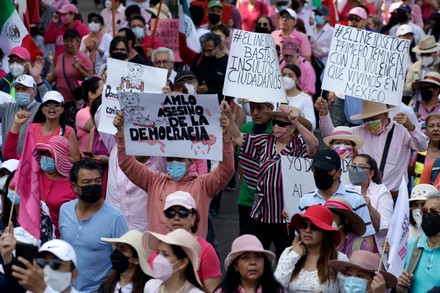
x: 402, y: 17
x: 119, y: 261
x: 119, y: 55
x: 323, y: 181
x: 430, y: 224
x: 91, y: 193
x: 263, y: 30
x: 213, y: 18
x: 426, y: 94
x: 295, y: 5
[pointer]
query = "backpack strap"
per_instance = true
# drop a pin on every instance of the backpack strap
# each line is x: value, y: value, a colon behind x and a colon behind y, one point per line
x: 435, y: 170
x: 416, y: 253
x: 357, y: 244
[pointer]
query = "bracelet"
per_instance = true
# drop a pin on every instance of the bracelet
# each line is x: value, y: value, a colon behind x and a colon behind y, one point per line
x: 41, y: 83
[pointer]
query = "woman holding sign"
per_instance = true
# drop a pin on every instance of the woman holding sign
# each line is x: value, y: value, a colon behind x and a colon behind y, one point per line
x: 260, y: 159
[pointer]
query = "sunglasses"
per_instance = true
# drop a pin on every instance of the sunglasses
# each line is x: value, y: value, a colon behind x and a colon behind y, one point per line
x: 432, y: 210
x: 52, y: 104
x: 55, y: 263
x: 182, y: 212
x: 281, y: 123
x: 354, y: 18
x: 303, y: 225
x: 262, y: 24
x: 357, y: 168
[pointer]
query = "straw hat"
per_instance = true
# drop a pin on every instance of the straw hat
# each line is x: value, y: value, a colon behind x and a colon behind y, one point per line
x: 59, y: 147
x: 247, y: 243
x: 432, y: 77
x: 164, y: 11
x: 283, y: 112
x: 365, y: 261
x: 178, y: 237
x: 427, y: 44
x: 421, y: 191
x: 345, y: 133
x: 370, y: 109
x: 134, y: 239
x: 341, y: 206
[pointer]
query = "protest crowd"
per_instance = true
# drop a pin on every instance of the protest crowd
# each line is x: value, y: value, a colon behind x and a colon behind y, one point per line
x: 122, y: 128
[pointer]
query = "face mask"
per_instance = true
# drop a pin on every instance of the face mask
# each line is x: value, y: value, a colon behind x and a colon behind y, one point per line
x: 355, y: 285
x: 119, y: 261
x: 162, y: 268
x: 262, y: 30
x: 280, y: 132
x: 3, y: 181
x: 47, y: 164
x: 323, y: 181
x: 402, y: 17
x: 426, y: 94
x: 16, y: 69
x: 91, y: 193
x: 138, y: 32
x: 430, y: 224
x: 319, y: 19
x: 64, y: 20
x: 22, y: 99
x: 417, y: 216
x: 108, y: 4
x: 59, y: 281
x: 295, y: 5
x: 119, y: 56
x: 357, y: 177
x: 375, y: 127
x: 344, y: 151
x: 288, y: 83
x: 213, y: 18
x: 94, y: 27
x: 427, y: 60
x: 176, y: 169
x: 13, y: 197
x: 190, y: 88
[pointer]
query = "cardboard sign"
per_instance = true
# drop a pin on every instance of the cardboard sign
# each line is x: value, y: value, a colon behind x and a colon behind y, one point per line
x: 167, y: 32
x: 172, y: 125
x: 298, y: 180
x: 123, y: 76
x: 366, y: 65
x: 253, y: 71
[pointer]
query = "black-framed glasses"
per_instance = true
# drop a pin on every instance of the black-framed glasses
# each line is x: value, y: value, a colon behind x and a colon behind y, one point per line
x: 357, y: 168
x: 303, y: 225
x: 182, y: 212
x: 354, y: 18
x: 55, y: 263
x: 432, y: 210
x: 281, y: 123
x: 262, y: 24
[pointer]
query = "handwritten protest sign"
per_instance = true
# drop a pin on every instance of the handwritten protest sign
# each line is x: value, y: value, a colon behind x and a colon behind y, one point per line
x: 366, y: 65
x: 298, y: 180
x: 253, y: 71
x: 172, y: 125
x: 125, y: 76
x: 168, y: 33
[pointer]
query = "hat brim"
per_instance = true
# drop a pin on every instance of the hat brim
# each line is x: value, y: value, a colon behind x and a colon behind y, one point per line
x: 341, y: 267
x: 285, y: 116
x: 62, y: 164
x: 416, y: 49
x: 355, y: 223
x: 368, y: 115
x: 419, y: 83
x: 318, y: 223
x: 233, y: 255
x: 15, y: 83
x: 323, y: 165
x: 358, y: 142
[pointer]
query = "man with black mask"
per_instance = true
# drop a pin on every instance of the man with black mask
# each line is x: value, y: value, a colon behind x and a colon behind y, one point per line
x: 326, y: 168
x: 215, y: 13
x: 403, y: 15
x: 421, y: 272
x: 84, y: 221
x: 429, y: 88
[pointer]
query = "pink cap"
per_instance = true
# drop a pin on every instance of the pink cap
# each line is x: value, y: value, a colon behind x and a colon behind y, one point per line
x: 180, y: 198
x: 290, y: 46
x: 68, y: 8
x: 358, y: 11
x: 21, y: 52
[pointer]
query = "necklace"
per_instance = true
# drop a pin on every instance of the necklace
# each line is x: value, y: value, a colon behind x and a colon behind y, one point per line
x: 180, y: 290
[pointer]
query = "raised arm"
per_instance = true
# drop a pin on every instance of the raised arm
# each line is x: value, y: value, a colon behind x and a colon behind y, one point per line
x: 234, y: 131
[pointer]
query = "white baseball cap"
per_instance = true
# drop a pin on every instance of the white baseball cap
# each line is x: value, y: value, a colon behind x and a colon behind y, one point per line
x: 60, y: 249
x: 52, y: 96
x: 421, y: 191
x: 24, y: 236
x: 11, y: 165
x: 180, y: 198
x: 404, y: 29
x: 291, y: 12
x: 26, y: 80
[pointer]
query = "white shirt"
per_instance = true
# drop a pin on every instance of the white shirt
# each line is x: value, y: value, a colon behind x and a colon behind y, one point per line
x: 418, y: 32
x: 153, y: 285
x: 304, y: 102
x: 322, y: 39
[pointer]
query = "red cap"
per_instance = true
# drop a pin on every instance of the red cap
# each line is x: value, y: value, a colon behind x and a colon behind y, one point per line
x: 21, y: 52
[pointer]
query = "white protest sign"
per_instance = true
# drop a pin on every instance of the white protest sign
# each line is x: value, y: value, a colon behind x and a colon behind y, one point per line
x: 298, y: 180
x: 172, y: 125
x: 125, y: 76
x: 253, y: 71
x: 366, y: 65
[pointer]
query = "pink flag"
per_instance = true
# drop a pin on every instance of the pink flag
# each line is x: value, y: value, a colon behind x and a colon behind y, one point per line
x: 28, y: 186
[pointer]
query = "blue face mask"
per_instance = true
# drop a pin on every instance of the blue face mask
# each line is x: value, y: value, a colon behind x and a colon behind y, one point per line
x: 22, y: 99
x: 355, y: 285
x: 47, y: 164
x: 319, y: 19
x: 176, y: 169
x: 13, y: 197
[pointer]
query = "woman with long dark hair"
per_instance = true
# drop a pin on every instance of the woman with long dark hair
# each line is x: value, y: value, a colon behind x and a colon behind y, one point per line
x: 249, y: 268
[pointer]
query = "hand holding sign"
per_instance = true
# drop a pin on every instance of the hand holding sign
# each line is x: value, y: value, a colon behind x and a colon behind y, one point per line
x: 321, y: 106
x: 118, y: 122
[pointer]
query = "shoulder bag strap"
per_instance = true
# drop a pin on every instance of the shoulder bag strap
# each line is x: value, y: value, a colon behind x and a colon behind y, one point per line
x: 385, y: 150
x: 65, y: 78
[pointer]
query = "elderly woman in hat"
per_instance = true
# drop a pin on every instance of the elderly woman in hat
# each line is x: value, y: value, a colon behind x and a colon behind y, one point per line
x: 349, y: 224
x: 175, y: 268
x: 429, y: 89
x: 249, y: 268
x: 304, y: 266
x: 130, y: 268
x: 344, y: 142
x: 416, y: 202
x: 362, y: 273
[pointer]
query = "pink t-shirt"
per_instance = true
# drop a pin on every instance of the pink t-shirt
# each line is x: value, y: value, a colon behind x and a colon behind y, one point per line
x: 248, y: 18
x: 37, y: 128
x: 305, y: 50
x: 82, y: 117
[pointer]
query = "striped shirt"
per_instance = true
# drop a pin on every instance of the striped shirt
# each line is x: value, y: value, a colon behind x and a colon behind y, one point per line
x: 354, y: 198
x: 261, y: 166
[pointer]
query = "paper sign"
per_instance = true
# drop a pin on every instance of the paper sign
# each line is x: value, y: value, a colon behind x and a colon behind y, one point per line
x: 125, y: 76
x: 298, y: 180
x: 253, y: 71
x: 172, y: 125
x: 167, y: 32
x: 366, y: 65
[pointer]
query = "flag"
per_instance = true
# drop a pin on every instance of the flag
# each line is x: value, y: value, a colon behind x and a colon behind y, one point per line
x: 29, y: 12
x: 28, y: 186
x: 13, y: 32
x: 187, y: 28
x: 398, y: 232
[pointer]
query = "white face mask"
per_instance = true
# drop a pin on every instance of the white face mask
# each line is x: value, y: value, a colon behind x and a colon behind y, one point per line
x: 59, y: 281
x: 16, y: 69
x: 288, y: 83
x: 190, y: 88
x: 417, y: 216
x: 427, y: 60
x: 162, y: 268
x: 94, y: 27
x: 108, y: 4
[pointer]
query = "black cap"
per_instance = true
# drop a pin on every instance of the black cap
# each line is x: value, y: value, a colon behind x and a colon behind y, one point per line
x: 405, y: 7
x: 323, y: 10
x: 184, y: 74
x: 326, y: 160
x: 94, y: 14
x: 71, y: 32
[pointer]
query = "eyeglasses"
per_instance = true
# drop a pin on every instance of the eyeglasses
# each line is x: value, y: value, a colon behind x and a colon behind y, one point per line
x: 262, y: 24
x: 52, y: 104
x: 432, y: 210
x: 354, y: 18
x: 357, y: 168
x: 182, y: 212
x: 305, y: 225
x: 55, y: 263
x: 281, y: 123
